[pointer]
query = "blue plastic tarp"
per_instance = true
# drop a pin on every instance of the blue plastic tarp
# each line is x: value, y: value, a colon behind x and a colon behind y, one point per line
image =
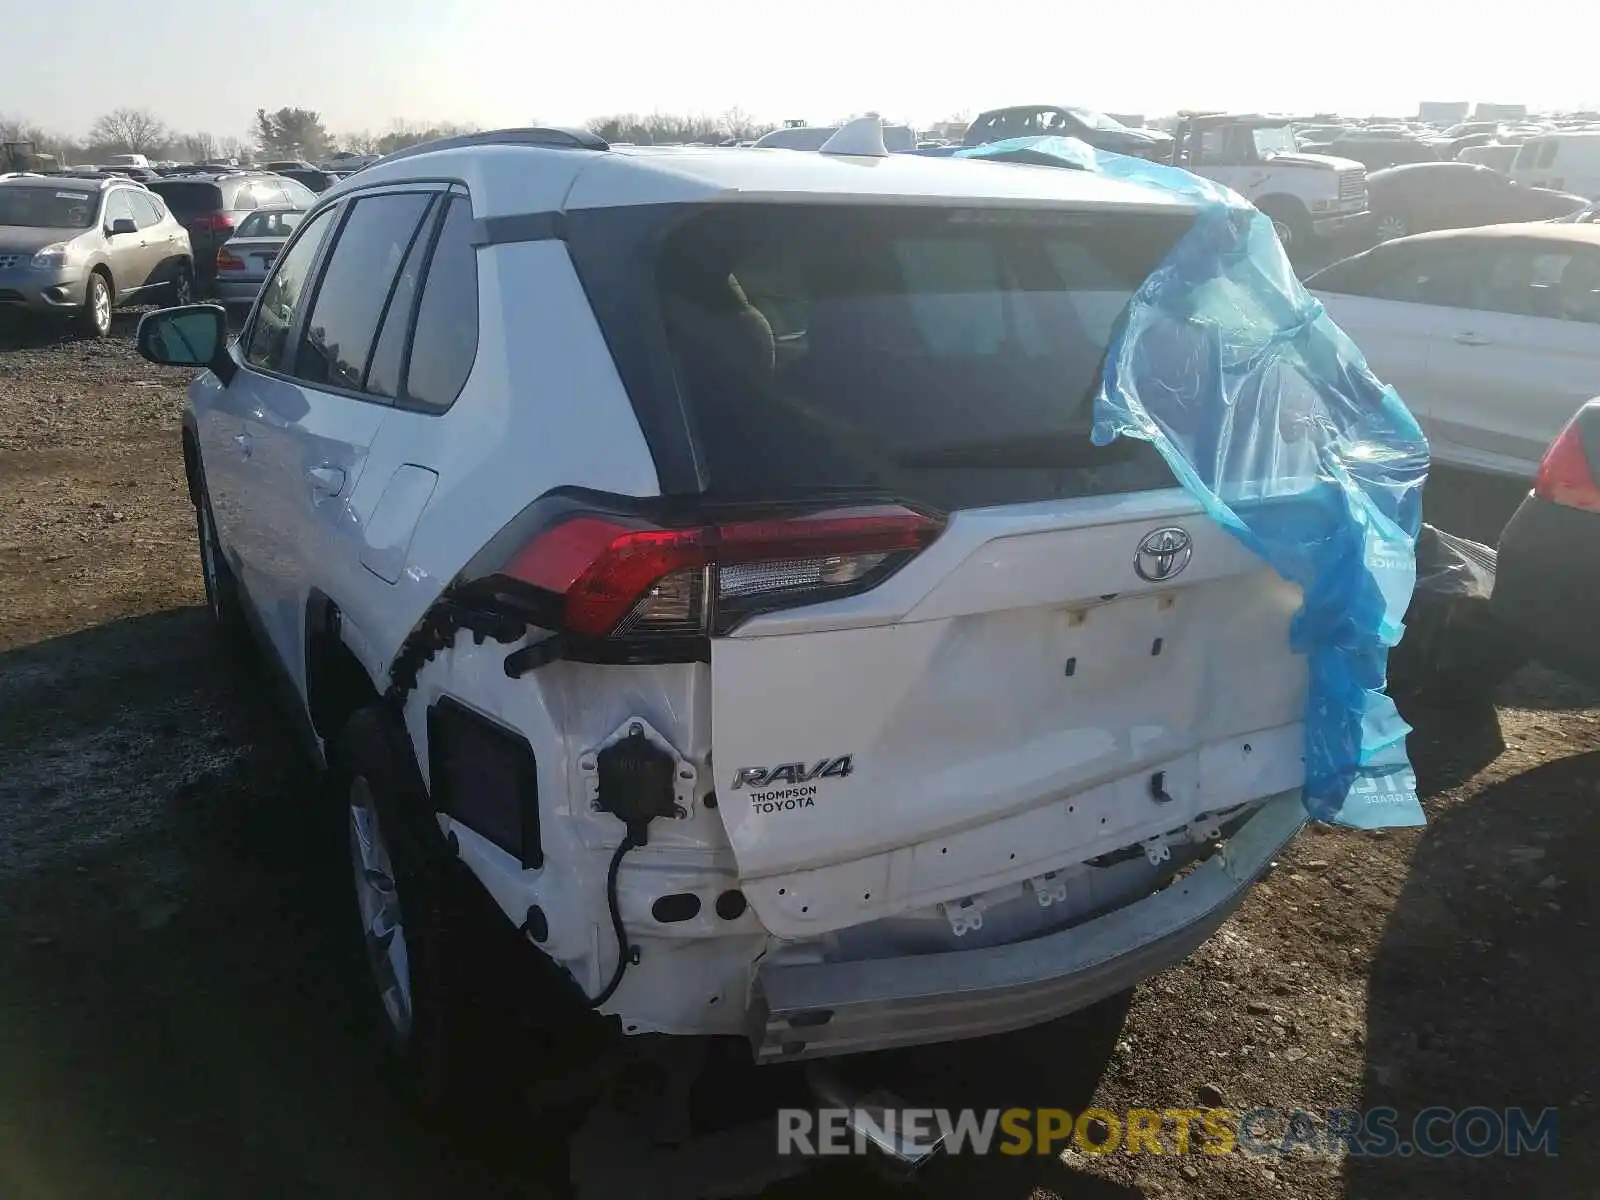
x: 1268, y: 414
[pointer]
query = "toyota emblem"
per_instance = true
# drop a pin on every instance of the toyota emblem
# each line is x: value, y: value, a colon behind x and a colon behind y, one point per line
x: 1163, y: 553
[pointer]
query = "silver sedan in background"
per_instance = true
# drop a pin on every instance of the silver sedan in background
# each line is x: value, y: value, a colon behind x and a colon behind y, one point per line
x: 246, y: 257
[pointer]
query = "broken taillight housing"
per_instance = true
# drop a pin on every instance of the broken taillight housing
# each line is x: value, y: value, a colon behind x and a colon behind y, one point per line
x: 612, y: 576
x: 1564, y: 476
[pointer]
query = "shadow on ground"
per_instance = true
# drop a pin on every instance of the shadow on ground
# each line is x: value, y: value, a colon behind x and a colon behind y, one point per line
x: 27, y: 331
x: 1482, y: 989
x: 180, y: 1010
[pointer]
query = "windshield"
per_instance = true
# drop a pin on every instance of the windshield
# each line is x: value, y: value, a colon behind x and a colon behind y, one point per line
x: 1273, y: 139
x: 265, y: 223
x: 1097, y: 120
x: 34, y: 207
x: 948, y: 356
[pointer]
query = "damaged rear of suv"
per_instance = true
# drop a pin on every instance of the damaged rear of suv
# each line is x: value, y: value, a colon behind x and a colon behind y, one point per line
x: 754, y: 618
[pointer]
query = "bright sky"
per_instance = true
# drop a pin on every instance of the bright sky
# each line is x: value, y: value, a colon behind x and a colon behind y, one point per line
x: 201, y: 66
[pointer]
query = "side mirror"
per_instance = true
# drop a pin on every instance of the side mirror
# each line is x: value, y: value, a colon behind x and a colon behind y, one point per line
x: 195, y: 335
x: 123, y: 225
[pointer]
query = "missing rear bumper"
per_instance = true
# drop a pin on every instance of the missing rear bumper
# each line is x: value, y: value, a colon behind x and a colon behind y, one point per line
x: 815, y: 1010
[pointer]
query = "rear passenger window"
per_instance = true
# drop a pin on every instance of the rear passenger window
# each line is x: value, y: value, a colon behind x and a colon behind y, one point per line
x: 1547, y: 152
x: 146, y: 210
x: 446, y: 339
x: 343, y: 323
x: 281, y: 296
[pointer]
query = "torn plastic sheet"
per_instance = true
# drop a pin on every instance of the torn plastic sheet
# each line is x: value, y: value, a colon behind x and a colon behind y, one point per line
x: 1267, y: 413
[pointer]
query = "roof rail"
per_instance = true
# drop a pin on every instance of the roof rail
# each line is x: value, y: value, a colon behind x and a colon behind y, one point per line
x: 550, y: 139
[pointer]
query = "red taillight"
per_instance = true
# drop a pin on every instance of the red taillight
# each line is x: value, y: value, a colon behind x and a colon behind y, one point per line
x: 229, y: 262
x: 619, y: 579
x: 213, y: 223
x: 1564, y: 477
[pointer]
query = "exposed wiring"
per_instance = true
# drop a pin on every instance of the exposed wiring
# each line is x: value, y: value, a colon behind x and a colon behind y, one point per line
x: 625, y: 952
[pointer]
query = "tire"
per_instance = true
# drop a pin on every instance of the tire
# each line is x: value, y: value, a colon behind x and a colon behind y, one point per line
x: 406, y: 897
x: 222, y: 589
x: 181, y: 290
x: 1290, y: 223
x: 95, y: 315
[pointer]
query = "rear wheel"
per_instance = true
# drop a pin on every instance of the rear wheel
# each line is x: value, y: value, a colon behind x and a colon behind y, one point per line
x: 405, y: 899
x: 95, y: 315
x: 181, y: 290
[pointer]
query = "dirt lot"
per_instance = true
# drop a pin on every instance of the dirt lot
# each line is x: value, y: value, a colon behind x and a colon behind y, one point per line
x: 177, y: 1012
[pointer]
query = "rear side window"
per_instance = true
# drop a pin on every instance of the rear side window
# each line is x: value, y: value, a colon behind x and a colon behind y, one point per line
x: 446, y: 339
x: 946, y: 356
x: 146, y: 212
x: 281, y: 297
x: 1547, y: 152
x: 189, y: 199
x: 343, y: 322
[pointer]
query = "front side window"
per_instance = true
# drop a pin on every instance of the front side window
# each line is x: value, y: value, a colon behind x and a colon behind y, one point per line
x: 1440, y: 273
x: 268, y: 346
x: 117, y: 208
x: 343, y: 321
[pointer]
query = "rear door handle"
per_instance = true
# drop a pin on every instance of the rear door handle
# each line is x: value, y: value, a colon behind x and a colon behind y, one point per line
x: 1471, y: 339
x: 325, y: 478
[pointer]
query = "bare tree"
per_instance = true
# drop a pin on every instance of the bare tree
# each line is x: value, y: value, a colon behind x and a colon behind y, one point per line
x: 134, y: 130
x: 358, y: 143
x: 233, y: 147
x: 199, y: 147
x: 658, y: 128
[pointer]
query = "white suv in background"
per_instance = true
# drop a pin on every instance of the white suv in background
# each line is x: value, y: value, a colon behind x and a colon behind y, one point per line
x: 705, y: 550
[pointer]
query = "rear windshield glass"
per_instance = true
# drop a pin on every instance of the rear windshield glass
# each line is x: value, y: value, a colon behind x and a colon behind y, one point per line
x: 269, y: 223
x: 187, y: 199
x: 945, y: 356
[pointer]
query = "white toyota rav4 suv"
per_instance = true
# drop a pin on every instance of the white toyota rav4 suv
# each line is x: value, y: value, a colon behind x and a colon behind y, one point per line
x: 705, y: 548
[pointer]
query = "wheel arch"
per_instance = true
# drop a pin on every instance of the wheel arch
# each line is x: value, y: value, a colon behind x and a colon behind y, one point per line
x: 191, y: 459
x: 337, y: 682
x: 1283, y: 204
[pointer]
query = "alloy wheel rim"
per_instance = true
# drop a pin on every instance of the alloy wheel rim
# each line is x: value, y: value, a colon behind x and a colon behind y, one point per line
x: 102, y: 306
x: 1392, y: 227
x: 378, y: 901
x: 1285, y: 233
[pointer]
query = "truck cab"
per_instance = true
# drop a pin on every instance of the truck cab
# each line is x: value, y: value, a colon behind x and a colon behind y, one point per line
x: 1307, y: 196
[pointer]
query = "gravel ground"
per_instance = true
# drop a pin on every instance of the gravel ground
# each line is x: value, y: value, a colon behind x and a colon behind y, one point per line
x: 176, y: 1002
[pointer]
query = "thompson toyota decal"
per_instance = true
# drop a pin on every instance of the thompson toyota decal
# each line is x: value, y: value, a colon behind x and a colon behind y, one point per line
x: 790, y: 785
